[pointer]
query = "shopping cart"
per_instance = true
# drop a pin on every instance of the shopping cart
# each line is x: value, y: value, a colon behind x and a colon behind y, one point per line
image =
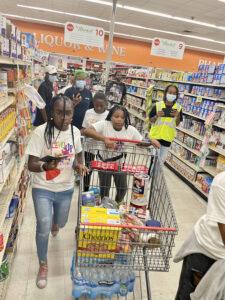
x: 128, y: 246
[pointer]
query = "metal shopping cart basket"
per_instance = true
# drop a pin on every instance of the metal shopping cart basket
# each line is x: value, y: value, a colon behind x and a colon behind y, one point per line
x: 108, y: 255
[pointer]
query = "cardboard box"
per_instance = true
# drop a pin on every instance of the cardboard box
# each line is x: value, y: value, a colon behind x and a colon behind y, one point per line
x: 99, y: 241
x: 2, y: 25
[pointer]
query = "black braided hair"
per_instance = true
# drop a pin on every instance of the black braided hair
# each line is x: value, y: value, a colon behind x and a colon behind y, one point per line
x: 124, y: 110
x: 166, y: 91
x: 49, y: 130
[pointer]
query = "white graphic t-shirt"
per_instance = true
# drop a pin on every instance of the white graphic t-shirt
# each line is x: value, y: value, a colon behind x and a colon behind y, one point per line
x: 91, y: 117
x: 63, y: 177
x: 106, y: 129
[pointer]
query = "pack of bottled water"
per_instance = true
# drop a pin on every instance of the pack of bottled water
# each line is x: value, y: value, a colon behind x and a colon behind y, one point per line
x: 107, y: 282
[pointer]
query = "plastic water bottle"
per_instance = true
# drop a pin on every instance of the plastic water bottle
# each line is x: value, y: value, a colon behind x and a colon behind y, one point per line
x: 80, y: 286
x: 124, y: 282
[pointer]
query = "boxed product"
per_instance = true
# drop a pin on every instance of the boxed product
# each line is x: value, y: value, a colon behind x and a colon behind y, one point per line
x: 12, y: 49
x: 220, y: 163
x: 5, y: 46
x: 2, y: 25
x: 98, y: 241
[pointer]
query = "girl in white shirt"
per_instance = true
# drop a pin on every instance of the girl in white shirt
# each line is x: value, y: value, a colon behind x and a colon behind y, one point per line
x: 92, y: 116
x: 117, y: 125
x: 53, y: 180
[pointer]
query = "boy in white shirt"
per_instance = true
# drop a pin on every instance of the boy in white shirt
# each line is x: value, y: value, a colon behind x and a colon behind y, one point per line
x: 92, y: 116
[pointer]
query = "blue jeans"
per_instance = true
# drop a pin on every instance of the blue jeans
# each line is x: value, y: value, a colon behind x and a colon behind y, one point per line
x: 50, y: 207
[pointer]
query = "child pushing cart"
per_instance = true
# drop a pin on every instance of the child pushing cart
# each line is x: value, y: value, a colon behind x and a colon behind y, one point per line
x: 119, y: 239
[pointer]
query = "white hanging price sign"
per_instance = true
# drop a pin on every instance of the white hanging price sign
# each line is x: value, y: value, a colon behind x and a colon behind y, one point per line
x: 167, y: 48
x: 84, y: 34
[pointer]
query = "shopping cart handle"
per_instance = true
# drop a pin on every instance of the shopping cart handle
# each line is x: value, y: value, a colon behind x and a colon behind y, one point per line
x: 125, y: 140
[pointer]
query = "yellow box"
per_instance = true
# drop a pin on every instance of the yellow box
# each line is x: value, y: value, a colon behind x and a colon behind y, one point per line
x: 98, y: 241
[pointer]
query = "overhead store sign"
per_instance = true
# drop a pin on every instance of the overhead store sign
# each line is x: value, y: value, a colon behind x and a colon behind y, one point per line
x: 167, y: 48
x: 84, y: 34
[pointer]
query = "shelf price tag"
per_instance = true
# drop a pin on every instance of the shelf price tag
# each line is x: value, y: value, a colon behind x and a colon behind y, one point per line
x: 84, y: 34
x: 199, y: 99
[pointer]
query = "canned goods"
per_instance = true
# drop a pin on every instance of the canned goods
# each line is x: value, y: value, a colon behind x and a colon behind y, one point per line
x: 140, y: 190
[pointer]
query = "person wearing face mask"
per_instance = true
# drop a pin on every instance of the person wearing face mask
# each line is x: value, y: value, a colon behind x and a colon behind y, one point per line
x: 165, y: 116
x: 46, y: 92
x: 81, y: 96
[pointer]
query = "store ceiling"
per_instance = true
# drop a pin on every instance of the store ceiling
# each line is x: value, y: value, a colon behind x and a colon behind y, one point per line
x: 208, y: 36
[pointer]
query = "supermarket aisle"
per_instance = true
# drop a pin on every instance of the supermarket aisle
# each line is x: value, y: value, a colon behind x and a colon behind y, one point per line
x: 188, y: 207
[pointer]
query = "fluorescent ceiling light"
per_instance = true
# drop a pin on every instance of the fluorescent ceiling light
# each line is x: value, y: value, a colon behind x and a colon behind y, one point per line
x: 221, y: 1
x: 121, y: 23
x: 33, y: 19
x: 155, y: 13
x: 62, y: 12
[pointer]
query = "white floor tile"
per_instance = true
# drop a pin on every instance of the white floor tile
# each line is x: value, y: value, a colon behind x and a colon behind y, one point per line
x: 188, y: 208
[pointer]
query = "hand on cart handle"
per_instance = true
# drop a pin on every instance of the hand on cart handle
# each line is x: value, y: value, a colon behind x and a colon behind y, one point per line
x: 155, y: 144
x: 81, y: 169
x: 109, y: 143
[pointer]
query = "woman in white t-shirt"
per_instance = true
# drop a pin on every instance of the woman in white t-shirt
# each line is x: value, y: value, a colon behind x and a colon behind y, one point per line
x: 92, y: 116
x: 53, y: 180
x: 117, y: 125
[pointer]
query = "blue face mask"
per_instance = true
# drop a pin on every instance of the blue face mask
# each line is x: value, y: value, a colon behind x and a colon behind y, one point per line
x: 80, y: 84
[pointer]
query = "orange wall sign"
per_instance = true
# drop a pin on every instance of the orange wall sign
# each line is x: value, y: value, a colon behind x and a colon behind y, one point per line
x: 51, y: 39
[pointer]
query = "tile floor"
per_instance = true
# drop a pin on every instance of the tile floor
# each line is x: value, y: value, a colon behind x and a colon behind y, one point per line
x: 188, y: 207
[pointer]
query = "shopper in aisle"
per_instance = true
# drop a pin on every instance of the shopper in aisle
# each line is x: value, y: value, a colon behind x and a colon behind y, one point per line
x: 164, y: 118
x: 46, y: 92
x: 206, y: 243
x: 81, y: 96
x: 117, y: 125
x: 92, y: 116
x: 69, y: 85
x: 116, y: 90
x: 54, y: 153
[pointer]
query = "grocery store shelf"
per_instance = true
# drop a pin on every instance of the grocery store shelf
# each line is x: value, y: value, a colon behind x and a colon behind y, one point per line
x: 135, y: 114
x: 6, y: 231
x: 5, y: 104
x: 191, y: 165
x: 8, y: 171
x: 158, y: 88
x: 211, y: 170
x: 198, y: 137
x: 216, y: 124
x: 138, y: 86
x: 192, y: 115
x: 141, y: 78
x: 138, y: 107
x: 217, y: 150
x: 190, y: 82
x: 196, y: 152
x: 203, y: 97
x: 11, y: 61
x: 135, y: 95
x: 4, y: 141
x: 192, y: 184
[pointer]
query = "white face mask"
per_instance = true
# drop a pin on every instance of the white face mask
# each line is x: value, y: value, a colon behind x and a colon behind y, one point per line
x: 171, y: 97
x: 53, y: 78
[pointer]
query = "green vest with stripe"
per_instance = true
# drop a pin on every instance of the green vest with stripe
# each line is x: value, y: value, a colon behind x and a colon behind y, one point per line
x: 165, y: 127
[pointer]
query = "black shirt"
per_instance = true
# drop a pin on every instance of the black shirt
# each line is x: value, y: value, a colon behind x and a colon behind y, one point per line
x: 45, y: 90
x: 82, y: 107
x: 115, y: 92
x: 152, y: 115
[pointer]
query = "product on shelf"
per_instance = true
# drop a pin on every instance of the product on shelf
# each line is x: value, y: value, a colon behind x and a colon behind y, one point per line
x: 220, y: 163
x: 3, y: 87
x: 181, y: 167
x: 204, y: 182
x: 192, y: 125
x: 7, y: 122
x: 140, y: 73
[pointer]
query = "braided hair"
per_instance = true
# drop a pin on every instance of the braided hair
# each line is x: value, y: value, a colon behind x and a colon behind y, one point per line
x: 49, y: 130
x: 124, y: 110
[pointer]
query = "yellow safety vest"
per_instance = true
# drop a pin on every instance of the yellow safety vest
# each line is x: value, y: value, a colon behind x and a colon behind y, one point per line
x: 165, y: 127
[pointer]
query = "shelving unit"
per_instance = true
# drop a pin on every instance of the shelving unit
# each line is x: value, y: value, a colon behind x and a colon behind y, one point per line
x: 135, y: 95
x: 196, y: 152
x: 132, y: 112
x: 196, y: 136
x: 138, y: 86
x: 191, y: 165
